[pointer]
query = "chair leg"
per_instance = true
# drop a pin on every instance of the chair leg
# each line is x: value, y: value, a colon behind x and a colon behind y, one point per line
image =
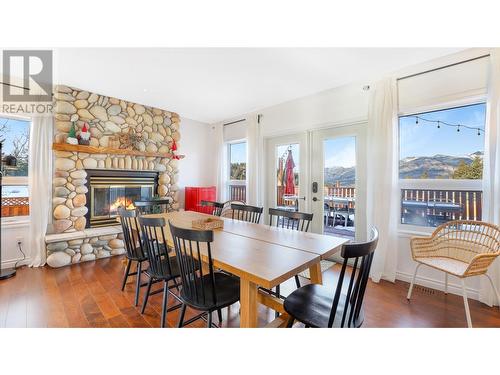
x: 297, y: 281
x: 138, y: 283
x: 209, y: 320
x: 278, y: 289
x: 494, y: 289
x: 446, y: 283
x: 219, y: 316
x: 146, y: 296
x: 408, y: 297
x: 289, y: 323
x: 181, y: 316
x: 164, y: 306
x: 466, y: 304
x: 127, y: 271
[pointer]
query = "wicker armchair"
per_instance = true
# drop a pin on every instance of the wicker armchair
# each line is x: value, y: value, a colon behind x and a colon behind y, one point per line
x: 460, y: 248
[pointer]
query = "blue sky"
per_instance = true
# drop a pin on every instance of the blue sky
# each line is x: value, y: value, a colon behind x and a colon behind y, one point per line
x: 340, y: 152
x: 239, y: 152
x: 15, y: 128
x: 425, y: 139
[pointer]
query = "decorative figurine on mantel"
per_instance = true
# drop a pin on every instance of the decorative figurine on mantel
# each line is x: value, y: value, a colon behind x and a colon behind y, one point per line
x: 72, y: 140
x: 173, y: 148
x: 84, y: 137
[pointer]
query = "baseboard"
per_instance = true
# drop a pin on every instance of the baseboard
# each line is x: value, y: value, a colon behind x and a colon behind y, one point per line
x: 12, y: 262
x: 438, y: 284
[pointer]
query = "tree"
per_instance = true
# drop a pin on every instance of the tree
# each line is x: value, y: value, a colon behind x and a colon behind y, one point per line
x: 472, y: 171
x: 424, y: 175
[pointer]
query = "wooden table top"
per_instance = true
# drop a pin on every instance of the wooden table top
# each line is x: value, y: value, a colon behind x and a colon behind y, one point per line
x: 263, y: 263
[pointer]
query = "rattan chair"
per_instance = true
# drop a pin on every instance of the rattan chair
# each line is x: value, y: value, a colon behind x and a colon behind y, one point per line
x: 460, y: 248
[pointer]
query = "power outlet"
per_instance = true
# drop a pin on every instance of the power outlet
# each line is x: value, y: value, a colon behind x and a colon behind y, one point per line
x: 19, y: 240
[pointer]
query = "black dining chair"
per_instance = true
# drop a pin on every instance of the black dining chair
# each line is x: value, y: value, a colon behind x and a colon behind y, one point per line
x: 133, y: 246
x: 217, y: 207
x: 316, y: 306
x: 153, y: 206
x: 245, y: 212
x: 202, y: 288
x: 162, y: 266
x: 299, y: 221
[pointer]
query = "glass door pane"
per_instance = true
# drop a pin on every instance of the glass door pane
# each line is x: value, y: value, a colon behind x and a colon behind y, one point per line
x: 339, y: 186
x: 287, y: 177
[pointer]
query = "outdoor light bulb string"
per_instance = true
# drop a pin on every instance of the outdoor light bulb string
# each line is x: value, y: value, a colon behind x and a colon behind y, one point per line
x: 419, y: 119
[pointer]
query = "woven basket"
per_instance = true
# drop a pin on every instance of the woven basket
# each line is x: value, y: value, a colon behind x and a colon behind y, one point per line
x: 208, y: 224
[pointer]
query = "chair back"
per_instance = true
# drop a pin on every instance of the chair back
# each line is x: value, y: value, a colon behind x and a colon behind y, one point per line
x: 131, y: 233
x: 155, y: 243
x: 153, y: 206
x: 362, y: 253
x: 245, y: 212
x: 463, y: 240
x: 188, y: 245
x: 291, y: 220
x: 217, y: 207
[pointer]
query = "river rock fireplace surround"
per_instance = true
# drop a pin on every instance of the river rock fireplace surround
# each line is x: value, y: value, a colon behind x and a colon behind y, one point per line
x: 81, y: 230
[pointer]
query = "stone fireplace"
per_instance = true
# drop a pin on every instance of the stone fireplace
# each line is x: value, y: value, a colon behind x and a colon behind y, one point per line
x: 88, y: 180
x: 108, y: 190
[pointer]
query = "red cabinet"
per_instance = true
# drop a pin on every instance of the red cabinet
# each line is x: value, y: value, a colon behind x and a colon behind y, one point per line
x: 194, y: 196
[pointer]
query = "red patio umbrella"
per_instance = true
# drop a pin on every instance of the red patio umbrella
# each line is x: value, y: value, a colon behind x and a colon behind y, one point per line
x: 290, y: 177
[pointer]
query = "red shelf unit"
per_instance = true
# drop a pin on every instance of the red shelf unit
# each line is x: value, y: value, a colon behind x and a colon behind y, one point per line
x: 194, y: 196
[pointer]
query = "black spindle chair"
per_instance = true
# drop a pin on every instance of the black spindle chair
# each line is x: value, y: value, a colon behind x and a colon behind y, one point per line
x: 133, y: 246
x: 245, y: 212
x: 316, y: 306
x: 202, y: 288
x: 217, y: 207
x: 291, y: 220
x: 152, y: 206
x: 162, y: 266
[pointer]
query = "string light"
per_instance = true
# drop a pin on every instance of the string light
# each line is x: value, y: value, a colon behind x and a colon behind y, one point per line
x: 440, y: 122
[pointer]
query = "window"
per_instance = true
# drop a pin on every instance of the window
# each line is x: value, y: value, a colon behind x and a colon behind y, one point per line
x: 237, y: 157
x: 441, y: 165
x: 14, y: 134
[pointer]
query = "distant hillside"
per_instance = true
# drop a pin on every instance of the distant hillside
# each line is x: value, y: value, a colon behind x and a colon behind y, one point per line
x: 437, y: 166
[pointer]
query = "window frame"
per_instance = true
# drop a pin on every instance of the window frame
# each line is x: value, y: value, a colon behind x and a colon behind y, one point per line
x: 229, y: 181
x: 16, y: 180
x: 433, y: 183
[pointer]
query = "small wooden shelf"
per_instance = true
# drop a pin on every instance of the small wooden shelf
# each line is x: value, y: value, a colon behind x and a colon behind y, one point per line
x: 108, y: 150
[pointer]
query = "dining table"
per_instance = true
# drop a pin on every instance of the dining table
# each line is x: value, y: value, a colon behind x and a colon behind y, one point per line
x: 262, y: 256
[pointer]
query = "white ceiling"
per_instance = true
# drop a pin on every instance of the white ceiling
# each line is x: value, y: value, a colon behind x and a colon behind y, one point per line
x: 213, y: 84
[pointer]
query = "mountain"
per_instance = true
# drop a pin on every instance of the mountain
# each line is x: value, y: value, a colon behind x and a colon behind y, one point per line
x: 437, y: 166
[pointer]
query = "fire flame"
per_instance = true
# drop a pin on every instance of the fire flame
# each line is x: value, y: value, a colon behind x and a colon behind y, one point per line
x: 122, y: 202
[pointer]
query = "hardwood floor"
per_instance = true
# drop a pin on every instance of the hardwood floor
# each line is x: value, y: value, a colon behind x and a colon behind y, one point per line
x: 89, y: 295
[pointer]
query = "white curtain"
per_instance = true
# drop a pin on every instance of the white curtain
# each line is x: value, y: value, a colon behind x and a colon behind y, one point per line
x: 221, y: 171
x: 491, y: 178
x: 254, y: 155
x: 40, y: 185
x: 382, y: 178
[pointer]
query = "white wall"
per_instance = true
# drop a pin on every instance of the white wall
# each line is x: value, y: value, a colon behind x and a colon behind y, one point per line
x: 10, y: 233
x: 198, y: 168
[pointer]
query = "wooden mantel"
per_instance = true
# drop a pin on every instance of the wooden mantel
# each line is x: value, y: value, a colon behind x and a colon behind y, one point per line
x: 108, y: 150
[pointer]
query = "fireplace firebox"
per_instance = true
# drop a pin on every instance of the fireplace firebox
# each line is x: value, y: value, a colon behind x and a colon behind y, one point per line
x: 110, y: 189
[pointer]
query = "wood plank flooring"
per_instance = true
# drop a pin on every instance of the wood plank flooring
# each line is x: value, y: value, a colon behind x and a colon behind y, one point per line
x: 89, y: 295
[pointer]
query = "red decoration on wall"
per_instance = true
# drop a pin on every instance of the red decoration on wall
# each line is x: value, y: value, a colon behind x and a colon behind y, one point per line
x: 174, y: 146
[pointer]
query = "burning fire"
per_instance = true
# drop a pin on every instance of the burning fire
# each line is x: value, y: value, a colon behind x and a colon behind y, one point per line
x: 122, y: 202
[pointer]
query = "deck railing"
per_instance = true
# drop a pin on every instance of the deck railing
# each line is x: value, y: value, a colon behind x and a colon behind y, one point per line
x: 15, y: 206
x: 238, y: 193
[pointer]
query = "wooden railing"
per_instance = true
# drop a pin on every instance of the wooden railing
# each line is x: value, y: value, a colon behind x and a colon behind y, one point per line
x: 280, y: 192
x: 15, y: 206
x: 238, y: 193
x: 450, y: 204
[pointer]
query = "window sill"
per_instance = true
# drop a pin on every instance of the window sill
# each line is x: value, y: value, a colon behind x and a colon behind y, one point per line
x: 13, y: 222
x: 414, y: 232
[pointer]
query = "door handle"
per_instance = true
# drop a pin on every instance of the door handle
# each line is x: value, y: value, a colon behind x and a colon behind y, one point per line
x: 303, y: 198
x: 315, y: 199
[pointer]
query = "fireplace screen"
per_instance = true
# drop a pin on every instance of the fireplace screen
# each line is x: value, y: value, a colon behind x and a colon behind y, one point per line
x: 107, y: 199
x: 110, y: 190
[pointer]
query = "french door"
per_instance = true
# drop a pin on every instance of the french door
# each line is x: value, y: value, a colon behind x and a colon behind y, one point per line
x: 287, y: 173
x: 323, y: 172
x: 338, y: 181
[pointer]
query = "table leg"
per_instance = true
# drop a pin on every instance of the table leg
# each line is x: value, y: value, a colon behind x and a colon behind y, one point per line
x: 248, y: 304
x: 315, y: 273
